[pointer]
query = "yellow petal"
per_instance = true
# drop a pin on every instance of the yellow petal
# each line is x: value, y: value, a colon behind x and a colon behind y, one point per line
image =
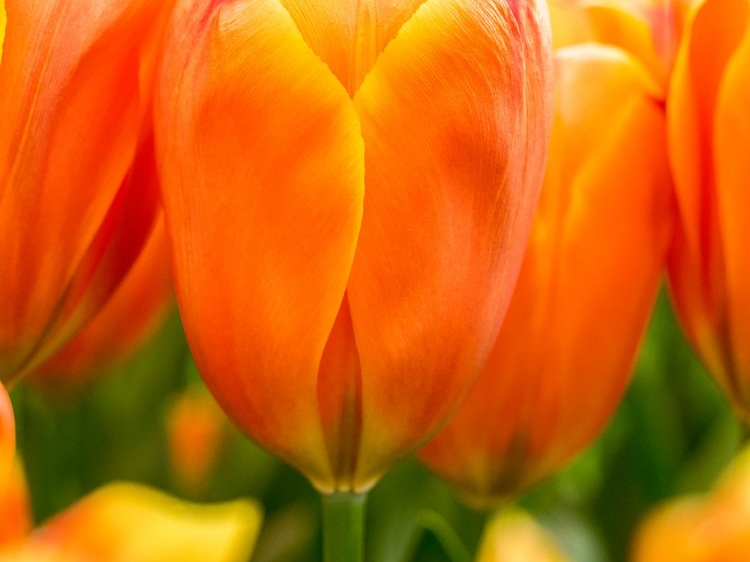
x: 455, y: 116
x: 262, y: 163
x: 515, y: 537
x: 128, y: 522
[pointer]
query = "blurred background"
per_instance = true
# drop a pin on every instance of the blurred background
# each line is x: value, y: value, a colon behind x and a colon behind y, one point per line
x: 151, y: 420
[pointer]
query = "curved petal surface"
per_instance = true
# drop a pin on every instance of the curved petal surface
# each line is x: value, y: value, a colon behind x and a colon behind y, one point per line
x: 262, y: 162
x: 349, y: 35
x: 605, y: 203
x: 455, y: 117
x: 61, y: 169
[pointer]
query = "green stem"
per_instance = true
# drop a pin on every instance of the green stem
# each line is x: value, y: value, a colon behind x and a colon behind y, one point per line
x: 343, y: 527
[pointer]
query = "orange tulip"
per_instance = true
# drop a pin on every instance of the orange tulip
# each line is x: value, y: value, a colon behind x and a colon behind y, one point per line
x: 713, y: 528
x: 709, y: 131
x: 587, y: 285
x: 128, y: 522
x: 348, y: 187
x: 132, y: 315
x: 195, y: 432
x: 516, y: 537
x: 78, y: 195
x: 647, y: 29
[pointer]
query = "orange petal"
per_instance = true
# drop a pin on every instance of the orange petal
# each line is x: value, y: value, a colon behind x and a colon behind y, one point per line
x: 263, y: 186
x: 127, y: 522
x: 137, y: 307
x: 731, y: 140
x: 455, y: 117
x: 15, y: 508
x: 605, y: 203
x: 697, y: 264
x: 60, y: 170
x: 349, y: 35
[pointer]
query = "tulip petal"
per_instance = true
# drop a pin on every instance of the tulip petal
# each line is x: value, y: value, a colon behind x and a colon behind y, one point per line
x: 731, y: 141
x: 348, y: 35
x: 697, y: 268
x: 127, y: 522
x: 15, y: 508
x: 455, y: 117
x: 605, y: 203
x: 129, y: 317
x: 60, y: 170
x: 263, y: 176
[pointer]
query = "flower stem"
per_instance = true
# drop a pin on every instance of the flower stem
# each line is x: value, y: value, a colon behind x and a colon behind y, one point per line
x: 343, y: 527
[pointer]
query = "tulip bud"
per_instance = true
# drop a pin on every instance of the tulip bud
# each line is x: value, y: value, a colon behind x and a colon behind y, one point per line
x: 708, y: 133
x: 349, y: 187
x: 75, y: 102
x: 587, y: 285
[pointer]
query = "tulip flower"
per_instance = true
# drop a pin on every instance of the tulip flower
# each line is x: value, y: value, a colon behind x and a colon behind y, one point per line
x: 78, y: 194
x: 348, y: 187
x: 196, y: 428
x: 515, y: 537
x: 709, y: 131
x: 128, y: 319
x: 710, y: 528
x: 128, y: 522
x: 647, y: 29
x: 589, y: 278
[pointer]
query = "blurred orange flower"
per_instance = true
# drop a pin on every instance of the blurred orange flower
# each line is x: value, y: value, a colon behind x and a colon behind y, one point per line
x: 195, y: 431
x: 78, y: 194
x: 587, y: 285
x: 713, y: 528
x: 709, y: 132
x: 349, y: 187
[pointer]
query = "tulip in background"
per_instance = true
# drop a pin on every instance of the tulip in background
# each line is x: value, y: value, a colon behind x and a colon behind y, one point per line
x: 196, y: 430
x: 586, y: 289
x: 709, y: 132
x: 348, y: 187
x: 7, y: 438
x: 713, y: 528
x: 78, y: 194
